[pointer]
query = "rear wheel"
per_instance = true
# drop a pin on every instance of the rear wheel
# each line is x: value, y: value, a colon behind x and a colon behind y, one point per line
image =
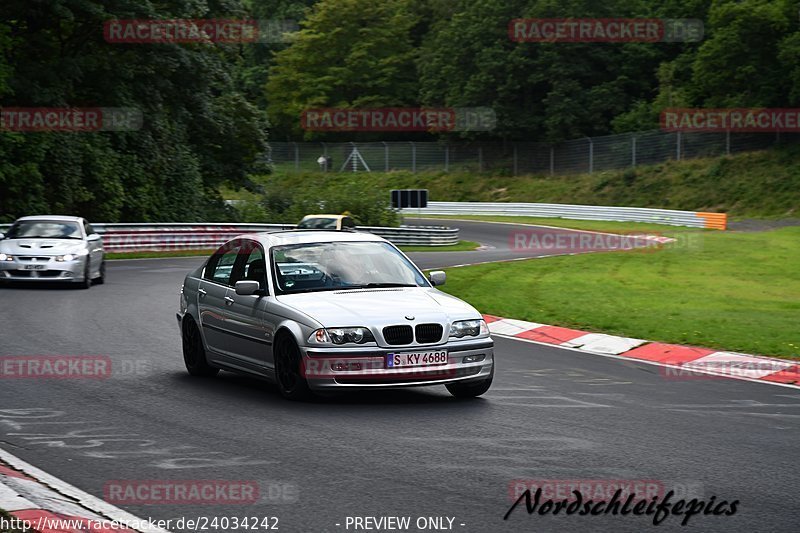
x: 194, y: 354
x: 291, y: 384
x: 471, y: 389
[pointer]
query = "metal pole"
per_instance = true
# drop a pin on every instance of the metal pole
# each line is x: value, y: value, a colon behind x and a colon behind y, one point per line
x: 552, y: 160
x: 385, y: 157
x: 413, y: 157
x: 516, y: 163
x: 728, y: 142
x: 678, y: 147
x: 633, y: 150
x: 447, y: 157
x: 591, y: 155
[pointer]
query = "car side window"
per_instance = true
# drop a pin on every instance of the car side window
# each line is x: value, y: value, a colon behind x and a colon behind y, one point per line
x: 88, y: 228
x: 253, y: 266
x: 220, y: 266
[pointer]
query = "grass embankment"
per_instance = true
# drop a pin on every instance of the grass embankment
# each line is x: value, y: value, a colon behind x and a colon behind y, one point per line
x: 725, y: 290
x: 753, y: 184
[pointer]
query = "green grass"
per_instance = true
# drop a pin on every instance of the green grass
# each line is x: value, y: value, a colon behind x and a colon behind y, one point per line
x: 734, y: 184
x: 462, y: 246
x: 723, y: 290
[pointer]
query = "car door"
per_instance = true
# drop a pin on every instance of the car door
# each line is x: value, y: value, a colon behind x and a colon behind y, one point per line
x: 211, y: 297
x: 251, y: 334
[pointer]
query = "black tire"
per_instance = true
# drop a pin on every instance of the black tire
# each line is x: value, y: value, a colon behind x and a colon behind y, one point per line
x: 194, y: 353
x: 86, y: 282
x: 471, y: 389
x: 102, y: 277
x: 291, y: 384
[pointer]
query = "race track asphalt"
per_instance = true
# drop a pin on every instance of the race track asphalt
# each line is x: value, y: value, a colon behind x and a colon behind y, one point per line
x: 552, y: 414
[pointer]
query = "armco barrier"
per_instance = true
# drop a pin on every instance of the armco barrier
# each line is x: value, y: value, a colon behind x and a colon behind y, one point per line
x: 130, y: 237
x: 581, y: 212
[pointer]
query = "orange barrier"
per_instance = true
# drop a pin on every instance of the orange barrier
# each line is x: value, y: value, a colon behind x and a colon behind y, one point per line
x: 714, y: 220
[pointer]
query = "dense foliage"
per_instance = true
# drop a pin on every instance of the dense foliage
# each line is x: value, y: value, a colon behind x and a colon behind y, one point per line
x: 205, y: 106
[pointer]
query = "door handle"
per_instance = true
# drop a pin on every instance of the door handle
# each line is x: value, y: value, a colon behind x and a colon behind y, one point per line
x: 228, y: 300
x: 201, y: 292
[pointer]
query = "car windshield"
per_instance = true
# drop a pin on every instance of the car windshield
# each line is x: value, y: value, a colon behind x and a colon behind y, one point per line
x: 44, y: 229
x: 342, y: 265
x: 318, y: 223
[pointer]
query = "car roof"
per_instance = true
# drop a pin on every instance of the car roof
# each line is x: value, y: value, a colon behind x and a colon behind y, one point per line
x: 55, y: 218
x: 305, y: 236
x: 324, y: 216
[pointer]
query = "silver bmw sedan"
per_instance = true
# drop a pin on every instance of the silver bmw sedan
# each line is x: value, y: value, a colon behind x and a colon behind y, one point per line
x: 52, y: 248
x: 318, y: 310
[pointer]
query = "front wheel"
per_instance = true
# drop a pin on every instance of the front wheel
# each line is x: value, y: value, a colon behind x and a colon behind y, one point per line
x: 471, y: 389
x: 194, y: 354
x: 101, y: 278
x: 86, y: 282
x: 291, y: 384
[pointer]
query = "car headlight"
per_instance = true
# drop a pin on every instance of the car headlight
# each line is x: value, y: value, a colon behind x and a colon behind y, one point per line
x: 469, y: 328
x: 65, y: 257
x: 358, y: 335
x: 6, y: 257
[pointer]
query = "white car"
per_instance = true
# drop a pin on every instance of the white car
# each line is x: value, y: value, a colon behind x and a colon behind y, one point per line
x: 52, y: 248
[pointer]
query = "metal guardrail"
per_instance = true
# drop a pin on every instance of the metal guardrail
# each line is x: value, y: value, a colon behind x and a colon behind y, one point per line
x: 580, y: 212
x: 130, y: 237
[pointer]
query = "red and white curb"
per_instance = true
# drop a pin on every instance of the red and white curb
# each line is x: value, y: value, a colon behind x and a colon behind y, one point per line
x: 50, y: 505
x: 683, y: 361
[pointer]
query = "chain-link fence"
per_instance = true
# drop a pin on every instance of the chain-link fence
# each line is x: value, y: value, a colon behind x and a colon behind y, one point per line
x: 589, y: 154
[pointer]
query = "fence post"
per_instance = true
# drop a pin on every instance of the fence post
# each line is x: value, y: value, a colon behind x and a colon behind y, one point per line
x: 447, y: 157
x: 296, y: 157
x: 385, y: 156
x: 633, y: 150
x: 678, y: 147
x: 728, y: 142
x: 413, y: 157
x: 552, y: 160
x: 480, y: 158
x: 591, y: 154
x: 516, y: 164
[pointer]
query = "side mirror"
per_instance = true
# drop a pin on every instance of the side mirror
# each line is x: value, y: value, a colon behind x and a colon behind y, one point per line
x: 247, y: 287
x: 437, y: 278
x: 93, y: 237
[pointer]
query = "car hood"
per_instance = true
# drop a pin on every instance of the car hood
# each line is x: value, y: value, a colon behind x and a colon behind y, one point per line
x: 379, y: 306
x: 40, y: 246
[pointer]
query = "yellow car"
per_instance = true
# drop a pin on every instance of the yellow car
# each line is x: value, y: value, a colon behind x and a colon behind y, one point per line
x: 333, y: 222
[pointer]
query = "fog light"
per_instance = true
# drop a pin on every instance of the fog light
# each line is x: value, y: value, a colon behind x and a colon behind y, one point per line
x: 473, y: 358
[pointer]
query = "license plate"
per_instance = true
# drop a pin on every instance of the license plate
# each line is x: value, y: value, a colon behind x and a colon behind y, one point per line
x: 395, y: 360
x: 35, y: 267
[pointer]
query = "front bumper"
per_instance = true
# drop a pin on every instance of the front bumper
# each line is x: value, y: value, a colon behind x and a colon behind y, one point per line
x: 366, y: 367
x: 42, y: 270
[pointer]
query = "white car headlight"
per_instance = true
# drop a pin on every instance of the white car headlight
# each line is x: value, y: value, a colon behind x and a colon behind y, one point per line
x: 6, y: 257
x: 469, y: 328
x: 358, y: 335
x: 65, y: 257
